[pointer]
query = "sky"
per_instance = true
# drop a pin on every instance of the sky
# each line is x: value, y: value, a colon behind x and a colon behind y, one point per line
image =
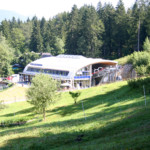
x: 50, y: 8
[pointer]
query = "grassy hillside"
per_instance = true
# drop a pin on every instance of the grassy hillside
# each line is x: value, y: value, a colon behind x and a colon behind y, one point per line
x: 123, y: 60
x: 116, y: 118
x: 13, y: 93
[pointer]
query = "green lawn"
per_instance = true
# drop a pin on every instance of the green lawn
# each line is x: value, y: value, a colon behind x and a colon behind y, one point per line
x: 116, y: 118
x: 13, y: 93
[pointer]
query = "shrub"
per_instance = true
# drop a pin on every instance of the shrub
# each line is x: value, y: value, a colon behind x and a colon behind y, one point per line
x: 75, y: 95
x: 141, y: 70
x: 141, y: 62
x: 138, y: 83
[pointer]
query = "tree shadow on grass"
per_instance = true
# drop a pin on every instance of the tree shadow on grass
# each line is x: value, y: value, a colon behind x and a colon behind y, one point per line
x: 97, y: 117
x: 129, y: 133
x: 24, y: 111
x: 102, y: 116
x: 108, y: 99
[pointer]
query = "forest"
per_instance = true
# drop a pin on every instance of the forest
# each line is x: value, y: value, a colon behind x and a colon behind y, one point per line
x: 106, y: 31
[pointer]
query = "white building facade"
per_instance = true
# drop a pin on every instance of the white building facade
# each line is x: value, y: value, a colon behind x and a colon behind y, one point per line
x: 74, y: 71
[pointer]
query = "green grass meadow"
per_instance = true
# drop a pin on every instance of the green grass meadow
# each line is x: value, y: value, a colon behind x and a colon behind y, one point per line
x: 13, y: 93
x: 114, y: 117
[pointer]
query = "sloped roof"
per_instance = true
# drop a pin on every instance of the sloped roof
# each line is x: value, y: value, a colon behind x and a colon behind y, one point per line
x: 68, y: 62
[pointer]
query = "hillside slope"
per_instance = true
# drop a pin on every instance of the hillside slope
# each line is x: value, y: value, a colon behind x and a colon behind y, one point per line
x: 115, y: 117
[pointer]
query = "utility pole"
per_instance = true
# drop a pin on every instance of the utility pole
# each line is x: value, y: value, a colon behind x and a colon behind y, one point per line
x: 139, y: 35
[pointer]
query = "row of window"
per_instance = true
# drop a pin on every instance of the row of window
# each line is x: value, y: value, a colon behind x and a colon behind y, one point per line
x: 49, y: 71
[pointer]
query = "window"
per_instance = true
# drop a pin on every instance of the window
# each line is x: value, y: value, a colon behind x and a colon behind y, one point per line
x: 49, y: 71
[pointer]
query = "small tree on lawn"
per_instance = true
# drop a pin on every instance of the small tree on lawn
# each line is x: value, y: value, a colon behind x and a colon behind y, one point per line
x: 75, y: 95
x: 43, y: 92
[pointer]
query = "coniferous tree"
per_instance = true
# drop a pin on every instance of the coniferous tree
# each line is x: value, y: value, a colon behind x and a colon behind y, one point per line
x: 147, y: 21
x: 26, y: 28
x: 13, y: 23
x: 5, y: 28
x: 82, y: 31
x: 132, y: 28
x: 73, y: 31
x: 60, y: 23
x: 90, y: 39
x: 18, y: 39
x: 106, y: 14
x: 43, y: 31
x: 36, y: 43
x: 120, y: 28
x: 50, y: 37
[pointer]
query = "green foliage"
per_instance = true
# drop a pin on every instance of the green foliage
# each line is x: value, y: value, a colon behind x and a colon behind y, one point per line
x: 123, y: 60
x: 141, y: 70
x: 84, y: 32
x: 106, y: 32
x: 75, y: 95
x: 36, y: 43
x: 6, y: 54
x: 27, y: 57
x: 59, y: 47
x: 146, y: 45
x: 43, y: 92
x: 14, y: 122
x: 18, y: 41
x: 139, y: 82
x: 140, y: 61
x: 5, y: 28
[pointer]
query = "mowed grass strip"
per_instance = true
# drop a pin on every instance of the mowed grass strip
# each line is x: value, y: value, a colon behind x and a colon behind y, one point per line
x: 13, y: 93
x: 115, y: 118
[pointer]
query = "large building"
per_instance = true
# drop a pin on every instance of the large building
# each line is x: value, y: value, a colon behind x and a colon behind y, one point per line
x: 74, y: 71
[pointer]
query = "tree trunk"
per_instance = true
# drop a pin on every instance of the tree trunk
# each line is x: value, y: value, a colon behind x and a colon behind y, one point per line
x: 75, y: 101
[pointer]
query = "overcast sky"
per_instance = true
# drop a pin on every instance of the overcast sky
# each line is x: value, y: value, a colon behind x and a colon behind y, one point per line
x: 50, y: 8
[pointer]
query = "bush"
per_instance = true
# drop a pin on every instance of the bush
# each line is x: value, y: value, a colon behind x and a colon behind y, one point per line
x: 141, y: 62
x: 141, y: 70
x: 139, y: 58
x: 138, y: 83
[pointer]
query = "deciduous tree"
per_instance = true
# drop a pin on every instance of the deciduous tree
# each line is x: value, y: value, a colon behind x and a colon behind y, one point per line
x: 6, y: 54
x: 43, y: 92
x: 75, y: 95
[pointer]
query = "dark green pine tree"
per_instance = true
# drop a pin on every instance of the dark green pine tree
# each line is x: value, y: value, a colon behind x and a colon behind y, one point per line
x: 91, y: 30
x: 147, y: 21
x: 13, y: 23
x: 120, y: 29
x: 36, y: 43
x: 107, y: 14
x: 143, y: 6
x: 5, y: 28
x: 60, y: 23
x: 132, y: 28
x: 73, y: 31
x: 50, y: 38
x: 43, y: 26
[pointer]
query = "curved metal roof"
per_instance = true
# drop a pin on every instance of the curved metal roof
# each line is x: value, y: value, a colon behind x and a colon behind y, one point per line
x: 71, y: 63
